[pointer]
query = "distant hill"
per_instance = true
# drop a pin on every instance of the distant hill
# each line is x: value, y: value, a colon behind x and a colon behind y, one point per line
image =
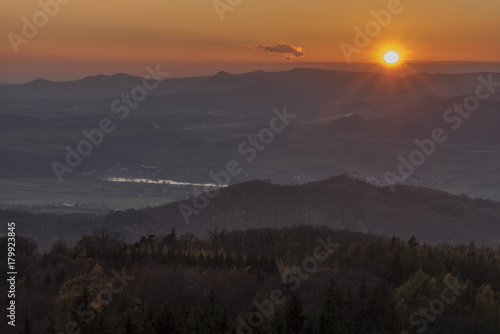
x: 346, y: 203
x: 302, y: 81
x: 354, y: 122
x: 223, y: 79
x: 341, y: 203
x: 92, y: 86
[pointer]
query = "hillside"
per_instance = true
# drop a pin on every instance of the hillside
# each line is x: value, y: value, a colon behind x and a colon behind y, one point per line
x: 346, y: 203
x: 340, y: 203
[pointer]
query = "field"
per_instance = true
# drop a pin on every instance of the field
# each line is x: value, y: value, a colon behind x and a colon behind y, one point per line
x: 96, y: 196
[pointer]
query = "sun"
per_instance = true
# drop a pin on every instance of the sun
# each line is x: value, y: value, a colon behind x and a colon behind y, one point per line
x: 391, y: 57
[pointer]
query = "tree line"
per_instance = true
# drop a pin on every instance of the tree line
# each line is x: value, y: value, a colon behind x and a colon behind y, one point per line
x: 219, y: 283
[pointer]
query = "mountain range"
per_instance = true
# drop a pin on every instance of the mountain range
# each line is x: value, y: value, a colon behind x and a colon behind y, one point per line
x: 339, y: 84
x: 355, y: 122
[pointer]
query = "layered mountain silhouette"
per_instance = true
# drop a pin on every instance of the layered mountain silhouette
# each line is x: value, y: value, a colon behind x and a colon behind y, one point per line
x: 299, y: 80
x: 356, y: 122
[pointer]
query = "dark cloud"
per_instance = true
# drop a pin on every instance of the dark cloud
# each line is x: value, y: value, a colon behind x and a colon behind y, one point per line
x: 287, y: 50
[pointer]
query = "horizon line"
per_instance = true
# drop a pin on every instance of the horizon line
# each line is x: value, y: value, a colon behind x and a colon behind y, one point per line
x: 298, y: 66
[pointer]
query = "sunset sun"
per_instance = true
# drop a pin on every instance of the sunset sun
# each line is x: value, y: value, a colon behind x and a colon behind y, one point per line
x: 391, y: 57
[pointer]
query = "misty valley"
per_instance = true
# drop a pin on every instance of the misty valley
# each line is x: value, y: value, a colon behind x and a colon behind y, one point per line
x: 296, y: 201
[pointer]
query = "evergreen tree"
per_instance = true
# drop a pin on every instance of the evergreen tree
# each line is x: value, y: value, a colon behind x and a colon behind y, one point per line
x: 129, y: 327
x: 210, y: 318
x: 165, y: 321
x: 28, y: 283
x: 348, y: 309
x: 378, y: 308
x: 294, y: 315
x: 48, y: 278
x: 413, y: 243
x: 311, y: 327
x: 51, y: 327
x: 262, y: 329
x: 397, y: 269
x: 331, y: 317
x: 361, y: 305
x: 27, y: 326
x: 278, y: 324
x: 148, y: 324
x: 171, y: 241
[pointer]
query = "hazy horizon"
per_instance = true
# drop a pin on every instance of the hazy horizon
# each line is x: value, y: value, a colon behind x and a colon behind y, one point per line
x: 58, y: 43
x: 197, y: 70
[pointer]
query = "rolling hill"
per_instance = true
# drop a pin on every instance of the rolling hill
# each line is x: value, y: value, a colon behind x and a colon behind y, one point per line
x: 341, y: 203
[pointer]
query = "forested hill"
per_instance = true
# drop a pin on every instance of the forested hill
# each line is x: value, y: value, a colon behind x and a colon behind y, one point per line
x: 340, y: 203
x: 343, y: 202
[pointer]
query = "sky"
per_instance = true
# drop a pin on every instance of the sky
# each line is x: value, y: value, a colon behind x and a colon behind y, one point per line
x: 192, y: 37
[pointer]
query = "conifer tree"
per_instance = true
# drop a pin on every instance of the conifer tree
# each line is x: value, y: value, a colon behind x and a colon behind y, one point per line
x: 294, y: 315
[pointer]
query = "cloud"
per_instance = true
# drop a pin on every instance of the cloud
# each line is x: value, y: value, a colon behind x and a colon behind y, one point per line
x: 288, y: 51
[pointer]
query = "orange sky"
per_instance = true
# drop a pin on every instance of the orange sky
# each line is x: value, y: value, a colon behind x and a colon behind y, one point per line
x: 108, y: 36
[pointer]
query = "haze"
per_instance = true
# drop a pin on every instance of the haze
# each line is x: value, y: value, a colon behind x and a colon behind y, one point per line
x: 188, y: 37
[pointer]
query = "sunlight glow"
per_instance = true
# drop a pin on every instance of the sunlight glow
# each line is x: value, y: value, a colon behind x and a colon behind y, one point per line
x: 391, y: 57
